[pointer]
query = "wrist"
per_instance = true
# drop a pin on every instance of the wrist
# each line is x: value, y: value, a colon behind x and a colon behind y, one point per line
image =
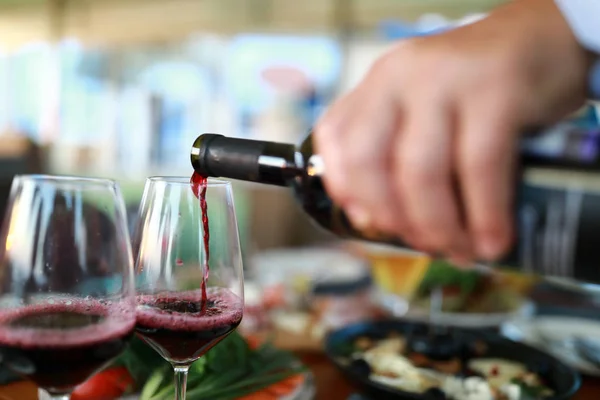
x: 541, y: 24
x: 556, y: 63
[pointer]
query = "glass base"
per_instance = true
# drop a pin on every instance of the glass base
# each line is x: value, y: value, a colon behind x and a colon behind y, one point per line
x: 43, y: 395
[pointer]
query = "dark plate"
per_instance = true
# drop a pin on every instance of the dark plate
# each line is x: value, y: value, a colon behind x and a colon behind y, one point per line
x: 564, y: 380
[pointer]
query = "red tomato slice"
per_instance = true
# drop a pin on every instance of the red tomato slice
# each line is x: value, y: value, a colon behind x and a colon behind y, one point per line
x: 109, y: 384
x: 253, y: 342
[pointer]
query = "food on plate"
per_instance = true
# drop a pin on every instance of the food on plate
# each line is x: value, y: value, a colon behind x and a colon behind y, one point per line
x: 467, y: 291
x: 298, y: 295
x: 395, y: 270
x: 465, y: 374
x: 413, y: 276
x: 236, y: 368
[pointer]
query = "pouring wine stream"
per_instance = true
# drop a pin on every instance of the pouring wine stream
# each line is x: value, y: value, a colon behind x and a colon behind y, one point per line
x: 199, y: 185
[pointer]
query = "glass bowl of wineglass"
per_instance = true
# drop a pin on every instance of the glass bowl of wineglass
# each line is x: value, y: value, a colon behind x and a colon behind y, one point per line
x: 189, y: 276
x: 67, y: 299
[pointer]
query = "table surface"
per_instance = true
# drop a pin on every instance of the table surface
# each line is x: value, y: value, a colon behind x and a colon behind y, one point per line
x: 331, y: 385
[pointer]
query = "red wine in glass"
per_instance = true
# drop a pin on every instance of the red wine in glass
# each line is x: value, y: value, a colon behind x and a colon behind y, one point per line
x: 179, y: 313
x: 183, y: 326
x: 58, y: 346
x: 199, y: 185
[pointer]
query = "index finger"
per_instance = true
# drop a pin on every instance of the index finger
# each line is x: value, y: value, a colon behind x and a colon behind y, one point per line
x: 486, y: 165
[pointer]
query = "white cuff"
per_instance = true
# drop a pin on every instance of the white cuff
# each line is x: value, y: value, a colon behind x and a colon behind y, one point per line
x: 594, y: 81
x: 583, y: 16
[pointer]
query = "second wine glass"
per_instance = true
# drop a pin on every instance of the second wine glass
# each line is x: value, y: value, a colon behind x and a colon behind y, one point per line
x: 186, y: 304
x: 66, y: 284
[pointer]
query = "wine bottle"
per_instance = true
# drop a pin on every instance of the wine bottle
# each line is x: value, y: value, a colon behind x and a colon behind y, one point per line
x: 279, y: 164
x: 299, y: 168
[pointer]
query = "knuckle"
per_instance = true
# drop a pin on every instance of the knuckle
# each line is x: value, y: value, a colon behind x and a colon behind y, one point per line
x: 495, y: 78
x: 334, y: 179
x: 481, y: 161
x: 506, y: 241
x: 332, y: 124
x: 409, y: 48
x: 494, y: 225
x: 490, y: 227
x: 443, y: 238
x: 413, y: 238
x: 362, y: 155
x: 388, y: 219
x: 439, y: 236
x: 383, y: 65
x: 389, y: 225
x: 327, y: 129
x: 505, y: 68
x: 392, y: 62
x: 336, y: 187
x: 419, y: 173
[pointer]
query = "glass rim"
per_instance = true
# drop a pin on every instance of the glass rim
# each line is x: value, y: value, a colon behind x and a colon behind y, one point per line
x: 183, y: 180
x: 64, y: 179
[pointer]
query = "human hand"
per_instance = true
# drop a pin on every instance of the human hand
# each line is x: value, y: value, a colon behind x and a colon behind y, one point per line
x: 425, y: 146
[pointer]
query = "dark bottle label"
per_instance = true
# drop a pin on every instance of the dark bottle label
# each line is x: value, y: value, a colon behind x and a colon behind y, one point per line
x: 558, y: 231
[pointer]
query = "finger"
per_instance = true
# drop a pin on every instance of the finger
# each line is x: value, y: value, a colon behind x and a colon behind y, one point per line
x: 424, y: 178
x: 327, y: 136
x: 486, y: 163
x: 404, y: 230
x: 367, y: 151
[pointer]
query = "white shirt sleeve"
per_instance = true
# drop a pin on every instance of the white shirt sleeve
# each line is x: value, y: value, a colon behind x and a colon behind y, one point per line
x: 583, y: 16
x: 594, y: 81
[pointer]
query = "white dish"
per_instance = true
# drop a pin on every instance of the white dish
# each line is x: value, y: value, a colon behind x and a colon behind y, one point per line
x: 399, y: 307
x: 589, y: 289
x: 554, y: 335
x: 319, y: 264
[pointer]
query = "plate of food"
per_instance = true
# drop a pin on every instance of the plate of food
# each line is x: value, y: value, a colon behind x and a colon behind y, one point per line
x: 475, y: 297
x: 294, y: 296
x: 478, y: 297
x: 237, y: 368
x: 409, y: 360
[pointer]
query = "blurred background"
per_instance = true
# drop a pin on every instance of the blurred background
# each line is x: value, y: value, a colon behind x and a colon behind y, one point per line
x: 121, y: 88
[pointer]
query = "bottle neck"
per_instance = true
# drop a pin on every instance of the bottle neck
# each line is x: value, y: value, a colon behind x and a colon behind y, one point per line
x: 279, y: 165
x: 247, y: 160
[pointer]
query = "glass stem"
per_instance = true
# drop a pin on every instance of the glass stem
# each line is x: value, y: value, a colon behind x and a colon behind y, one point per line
x: 181, y: 374
x: 436, y: 308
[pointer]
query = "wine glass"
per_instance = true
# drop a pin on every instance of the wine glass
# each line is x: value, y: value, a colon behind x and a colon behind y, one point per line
x: 183, y: 308
x: 67, y: 300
